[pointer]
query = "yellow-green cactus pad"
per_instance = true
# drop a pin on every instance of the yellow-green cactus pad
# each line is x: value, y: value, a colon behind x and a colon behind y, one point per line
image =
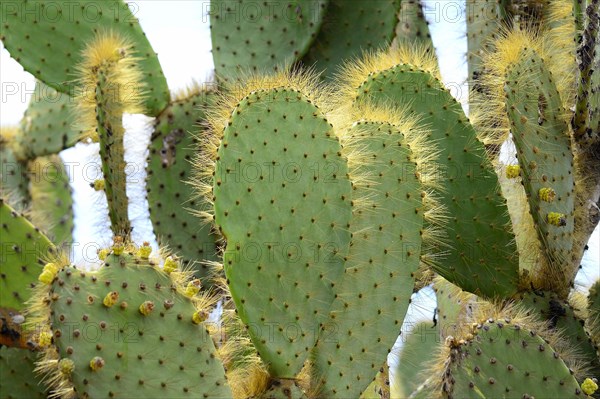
x: 506, y: 360
x: 127, y: 330
x: 373, y: 295
x: 481, y: 253
x: 23, y: 247
x: 282, y: 201
x: 541, y: 135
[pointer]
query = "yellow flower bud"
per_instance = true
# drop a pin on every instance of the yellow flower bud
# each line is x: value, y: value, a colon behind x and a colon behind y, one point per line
x: 170, y: 265
x: 96, y: 363
x: 512, y: 171
x: 110, y: 299
x: 199, y: 316
x: 193, y: 288
x: 589, y: 386
x: 146, y: 308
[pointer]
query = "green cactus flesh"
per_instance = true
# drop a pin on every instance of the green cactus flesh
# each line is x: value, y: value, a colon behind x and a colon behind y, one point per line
x: 452, y: 306
x: 373, y: 295
x: 418, y: 348
x: 23, y: 245
x: 561, y: 317
x: 171, y: 151
x: 470, y: 190
x: 51, y: 201
x: 14, y: 180
x: 412, y: 26
x: 282, y: 201
x: 17, y: 378
x: 541, y: 136
x: 47, y: 125
x: 484, y: 24
x: 129, y: 332
x: 48, y: 39
x: 262, y: 36
x: 506, y: 360
x: 350, y: 27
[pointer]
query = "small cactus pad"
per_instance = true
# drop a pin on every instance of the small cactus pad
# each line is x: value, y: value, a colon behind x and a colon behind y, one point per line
x: 453, y: 305
x: 51, y: 201
x: 17, y: 378
x: 504, y: 359
x: 350, y: 27
x: 126, y: 330
x: 541, y: 136
x: 470, y: 190
x: 48, y: 39
x: 171, y: 150
x: 373, y: 295
x: 13, y: 173
x: 561, y: 317
x: 262, y: 36
x: 47, y: 125
x: 420, y: 344
x: 282, y: 201
x: 22, y: 246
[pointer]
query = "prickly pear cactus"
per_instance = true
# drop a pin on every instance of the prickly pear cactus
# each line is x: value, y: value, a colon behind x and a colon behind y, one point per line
x: 14, y: 180
x: 501, y: 358
x: 110, y: 329
x: 282, y: 201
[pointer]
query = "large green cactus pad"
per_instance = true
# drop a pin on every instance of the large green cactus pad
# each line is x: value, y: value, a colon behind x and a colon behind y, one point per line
x: 350, y: 27
x: 506, y: 360
x: 282, y: 201
x: 17, y: 379
x: 262, y: 36
x: 116, y: 350
x: 22, y: 247
x: 419, y: 346
x: 373, y: 295
x: 172, y: 147
x: 561, y: 317
x: 470, y: 190
x: 592, y: 323
x: 47, y: 125
x: 541, y: 135
x: 51, y: 201
x: 47, y: 40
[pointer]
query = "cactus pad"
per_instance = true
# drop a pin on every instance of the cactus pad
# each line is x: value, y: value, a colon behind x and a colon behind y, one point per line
x: 373, y: 295
x: 470, y: 190
x: 262, y: 36
x: 282, y: 201
x: 504, y: 359
x: 350, y: 27
x: 561, y: 317
x: 22, y: 247
x: 47, y: 125
x: 51, y: 201
x: 412, y: 26
x: 171, y: 150
x: 541, y: 135
x: 48, y: 39
x: 126, y: 330
x: 592, y: 323
x: 17, y: 378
